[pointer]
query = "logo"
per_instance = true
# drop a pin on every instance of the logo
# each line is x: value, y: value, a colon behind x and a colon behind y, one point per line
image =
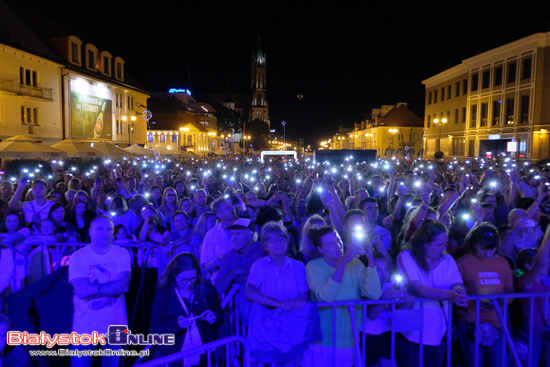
x: 120, y: 335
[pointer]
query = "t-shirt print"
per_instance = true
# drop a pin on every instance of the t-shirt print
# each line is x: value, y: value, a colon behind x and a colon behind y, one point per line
x: 99, y: 274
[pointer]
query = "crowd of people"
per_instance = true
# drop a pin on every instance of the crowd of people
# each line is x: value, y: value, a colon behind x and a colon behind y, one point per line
x: 292, y: 233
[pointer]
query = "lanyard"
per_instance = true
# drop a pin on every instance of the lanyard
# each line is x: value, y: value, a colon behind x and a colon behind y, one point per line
x: 183, y: 303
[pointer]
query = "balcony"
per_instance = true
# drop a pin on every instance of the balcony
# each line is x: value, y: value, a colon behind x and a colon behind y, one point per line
x: 10, y: 86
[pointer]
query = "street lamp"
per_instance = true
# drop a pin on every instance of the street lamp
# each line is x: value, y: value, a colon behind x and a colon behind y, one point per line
x: 125, y: 119
x: 440, y: 123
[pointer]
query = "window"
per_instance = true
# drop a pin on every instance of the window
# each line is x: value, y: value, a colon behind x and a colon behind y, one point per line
x: 473, y: 116
x: 429, y: 97
x: 132, y: 130
x: 74, y: 53
x: 91, y: 59
x: 130, y: 103
x: 475, y: 82
x: 457, y: 92
x: 29, y: 115
x: 28, y: 77
x: 458, y: 146
x: 485, y: 78
x: 442, y: 94
x: 526, y: 72
x: 449, y: 92
x: 498, y: 76
x: 522, y: 148
x: 189, y: 140
x: 463, y: 115
x: 106, y: 63
x: 162, y: 138
x: 484, y: 113
x: 511, y: 73
x: 119, y: 70
x: 524, y: 109
x: 496, y: 113
x: 510, y: 110
x: 465, y: 86
x: 174, y: 138
x: 429, y: 120
x: 456, y: 116
x: 435, y: 96
x: 150, y: 138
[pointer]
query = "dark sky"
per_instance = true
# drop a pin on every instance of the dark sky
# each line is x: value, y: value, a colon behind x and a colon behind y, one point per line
x: 344, y: 58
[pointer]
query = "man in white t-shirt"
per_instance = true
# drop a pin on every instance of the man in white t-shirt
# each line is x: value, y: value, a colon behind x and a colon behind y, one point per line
x: 100, y: 274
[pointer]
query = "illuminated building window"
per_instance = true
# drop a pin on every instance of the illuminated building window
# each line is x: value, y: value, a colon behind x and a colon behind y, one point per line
x: 132, y: 130
x: 475, y: 82
x: 484, y: 112
x: 174, y: 138
x: 28, y: 77
x: 91, y: 57
x: 473, y: 117
x: 74, y: 44
x: 150, y: 138
x: 510, y: 110
x: 105, y: 60
x: 162, y: 138
x: 29, y: 115
x: 526, y: 68
x: 130, y: 103
x: 119, y: 68
x: 74, y: 53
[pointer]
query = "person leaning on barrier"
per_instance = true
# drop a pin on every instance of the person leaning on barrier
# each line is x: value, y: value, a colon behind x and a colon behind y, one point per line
x: 484, y: 271
x: 339, y: 276
x: 428, y: 272
x: 532, y: 268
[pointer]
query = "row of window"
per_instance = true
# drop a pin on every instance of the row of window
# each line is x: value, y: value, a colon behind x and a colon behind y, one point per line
x: 120, y: 127
x: 95, y: 60
x: 151, y: 138
x: 119, y: 101
x: 461, y: 88
x: 496, y: 110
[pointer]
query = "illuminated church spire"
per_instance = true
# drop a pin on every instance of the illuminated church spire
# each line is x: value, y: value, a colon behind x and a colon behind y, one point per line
x: 258, y: 106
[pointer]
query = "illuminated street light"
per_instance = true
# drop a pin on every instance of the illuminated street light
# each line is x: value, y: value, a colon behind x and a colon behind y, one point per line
x: 437, y: 122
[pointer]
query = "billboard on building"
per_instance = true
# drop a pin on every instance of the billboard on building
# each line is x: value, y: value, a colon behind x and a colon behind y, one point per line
x: 91, y: 111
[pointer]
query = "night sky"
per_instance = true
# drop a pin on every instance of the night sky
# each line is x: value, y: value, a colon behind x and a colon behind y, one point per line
x: 345, y: 59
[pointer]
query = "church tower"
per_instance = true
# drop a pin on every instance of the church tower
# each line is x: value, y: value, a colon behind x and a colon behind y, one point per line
x: 258, y: 105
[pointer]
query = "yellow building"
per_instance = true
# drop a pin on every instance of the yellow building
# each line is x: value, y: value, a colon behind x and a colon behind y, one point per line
x: 493, y: 102
x: 58, y: 86
x: 391, y: 130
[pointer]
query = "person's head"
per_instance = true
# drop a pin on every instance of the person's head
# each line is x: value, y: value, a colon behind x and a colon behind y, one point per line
x: 377, y: 182
x: 428, y: 242
x: 251, y: 195
x: 354, y: 219
x: 252, y: 212
x: 57, y: 212
x: 182, y: 272
x: 483, y: 241
x: 370, y: 207
x: 488, y: 199
x: 179, y: 185
x: 39, y: 188
x: 180, y: 220
x: 75, y: 184
x: 137, y: 203
x: 118, y: 205
x: 242, y: 233
x: 157, y: 181
x: 382, y: 267
x: 517, y: 216
x: 301, y: 208
x: 120, y: 232
x: 169, y: 197
x: 69, y: 196
x: 223, y: 209
x: 409, y: 178
x: 5, y: 326
x: 80, y: 208
x: 359, y: 195
x: 131, y: 182
x: 82, y: 195
x: 61, y: 187
x: 274, y: 238
x: 6, y: 190
x: 101, y: 231
x: 47, y: 227
x: 206, y: 222
x: 11, y: 223
x: 187, y: 205
x: 328, y: 242
x: 200, y: 198
x: 155, y: 192
x: 526, y: 260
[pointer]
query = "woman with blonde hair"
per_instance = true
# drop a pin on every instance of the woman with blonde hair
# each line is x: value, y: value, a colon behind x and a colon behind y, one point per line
x: 308, y: 250
x: 169, y: 204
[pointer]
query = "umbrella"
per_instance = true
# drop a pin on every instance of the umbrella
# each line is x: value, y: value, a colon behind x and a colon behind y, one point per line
x: 21, y: 146
x: 164, y: 151
x: 138, y: 150
x: 77, y: 149
x: 111, y: 151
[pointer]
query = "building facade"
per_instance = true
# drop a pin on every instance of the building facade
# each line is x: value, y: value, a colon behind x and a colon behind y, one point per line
x: 54, y: 85
x: 494, y: 102
x: 391, y: 130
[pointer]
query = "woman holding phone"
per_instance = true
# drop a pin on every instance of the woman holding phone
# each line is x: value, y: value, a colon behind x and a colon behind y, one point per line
x: 183, y: 302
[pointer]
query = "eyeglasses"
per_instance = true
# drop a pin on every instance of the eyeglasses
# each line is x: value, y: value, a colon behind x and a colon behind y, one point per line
x: 186, y: 280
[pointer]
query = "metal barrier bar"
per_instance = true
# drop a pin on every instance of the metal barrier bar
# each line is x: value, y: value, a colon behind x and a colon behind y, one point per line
x: 507, y: 333
x: 334, y: 315
x: 476, y: 346
x: 448, y: 335
x: 356, y: 336
x: 203, y: 348
x: 531, y: 318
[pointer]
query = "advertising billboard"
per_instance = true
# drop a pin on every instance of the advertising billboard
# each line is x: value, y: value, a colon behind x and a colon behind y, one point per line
x: 91, y: 112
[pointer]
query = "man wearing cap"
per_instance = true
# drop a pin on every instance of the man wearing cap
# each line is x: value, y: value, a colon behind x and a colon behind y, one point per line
x: 236, y: 264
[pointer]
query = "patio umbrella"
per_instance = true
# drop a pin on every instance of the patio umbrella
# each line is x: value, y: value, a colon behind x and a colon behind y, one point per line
x: 164, y: 151
x: 21, y: 146
x: 138, y: 150
x: 77, y: 149
x: 111, y: 151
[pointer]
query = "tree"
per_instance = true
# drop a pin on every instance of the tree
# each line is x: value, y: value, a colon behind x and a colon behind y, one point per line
x: 259, y: 134
x: 229, y: 121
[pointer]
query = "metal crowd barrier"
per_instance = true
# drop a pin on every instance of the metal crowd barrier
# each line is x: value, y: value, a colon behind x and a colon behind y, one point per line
x: 208, y: 348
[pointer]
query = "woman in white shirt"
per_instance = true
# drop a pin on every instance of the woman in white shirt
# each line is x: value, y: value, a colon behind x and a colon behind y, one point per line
x: 429, y: 272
